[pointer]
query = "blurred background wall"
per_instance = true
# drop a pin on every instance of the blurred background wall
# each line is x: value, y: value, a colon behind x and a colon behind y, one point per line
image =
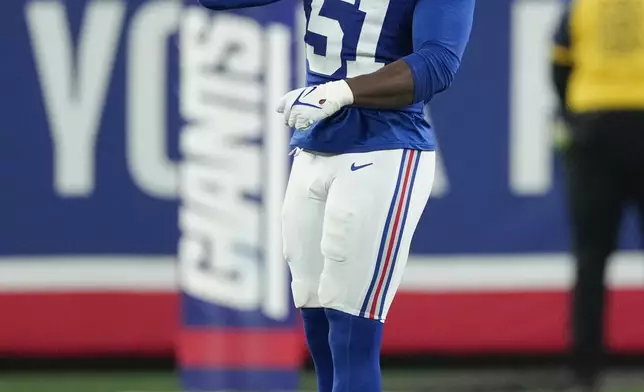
x: 95, y: 122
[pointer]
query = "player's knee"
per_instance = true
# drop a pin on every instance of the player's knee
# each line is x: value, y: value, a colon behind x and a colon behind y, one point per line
x: 300, y: 293
x: 305, y: 294
x: 332, y: 292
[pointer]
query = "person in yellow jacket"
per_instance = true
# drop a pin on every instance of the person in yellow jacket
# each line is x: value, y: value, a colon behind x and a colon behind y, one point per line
x: 598, y: 73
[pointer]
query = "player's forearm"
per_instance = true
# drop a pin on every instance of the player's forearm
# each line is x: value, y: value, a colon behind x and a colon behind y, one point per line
x: 219, y: 5
x: 390, y: 87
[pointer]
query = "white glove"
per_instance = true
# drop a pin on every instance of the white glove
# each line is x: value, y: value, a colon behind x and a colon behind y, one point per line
x: 305, y: 106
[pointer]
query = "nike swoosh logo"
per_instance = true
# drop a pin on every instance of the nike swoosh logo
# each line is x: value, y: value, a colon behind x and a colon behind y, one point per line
x: 304, y: 94
x: 310, y: 91
x: 354, y: 167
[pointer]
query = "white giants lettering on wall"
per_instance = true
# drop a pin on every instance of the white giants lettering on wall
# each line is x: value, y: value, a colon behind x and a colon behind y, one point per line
x: 233, y: 175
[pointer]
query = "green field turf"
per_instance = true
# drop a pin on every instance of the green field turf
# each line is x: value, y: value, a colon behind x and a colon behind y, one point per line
x: 403, y: 381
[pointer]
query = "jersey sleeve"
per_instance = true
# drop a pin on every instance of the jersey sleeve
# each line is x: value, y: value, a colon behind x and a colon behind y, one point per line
x: 219, y: 5
x: 562, y: 43
x: 441, y: 30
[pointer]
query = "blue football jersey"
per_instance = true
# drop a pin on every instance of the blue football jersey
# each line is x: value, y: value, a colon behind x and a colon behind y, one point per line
x: 347, y: 38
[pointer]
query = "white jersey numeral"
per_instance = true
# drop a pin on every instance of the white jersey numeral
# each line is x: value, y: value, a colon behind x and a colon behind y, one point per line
x: 331, y: 62
x: 365, y: 62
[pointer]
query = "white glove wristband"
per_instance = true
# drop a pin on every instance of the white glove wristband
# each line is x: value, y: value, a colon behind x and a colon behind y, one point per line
x: 340, y: 91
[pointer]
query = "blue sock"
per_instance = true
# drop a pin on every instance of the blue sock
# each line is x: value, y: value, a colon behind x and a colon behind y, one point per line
x: 316, y: 329
x: 355, y: 344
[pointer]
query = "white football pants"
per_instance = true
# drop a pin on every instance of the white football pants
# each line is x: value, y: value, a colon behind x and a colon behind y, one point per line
x: 347, y: 224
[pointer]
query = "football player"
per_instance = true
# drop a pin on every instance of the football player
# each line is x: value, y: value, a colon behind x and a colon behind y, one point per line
x: 363, y: 166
